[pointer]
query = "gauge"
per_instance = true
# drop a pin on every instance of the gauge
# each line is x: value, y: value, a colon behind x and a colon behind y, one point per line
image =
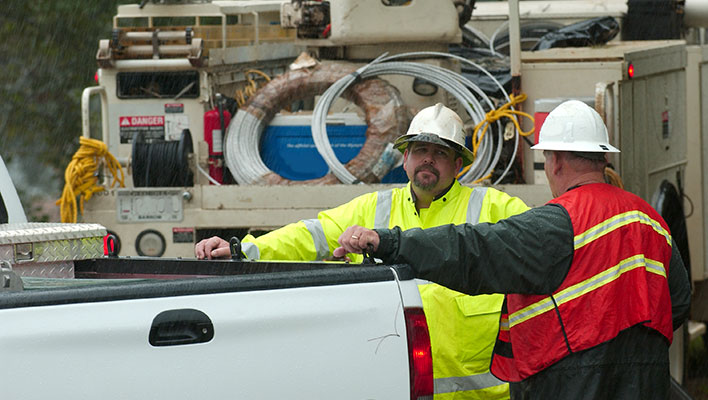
x: 150, y: 243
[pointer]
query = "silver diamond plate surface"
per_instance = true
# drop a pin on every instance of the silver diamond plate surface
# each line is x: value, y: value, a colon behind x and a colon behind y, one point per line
x: 63, y: 269
x: 54, y: 247
x: 33, y: 232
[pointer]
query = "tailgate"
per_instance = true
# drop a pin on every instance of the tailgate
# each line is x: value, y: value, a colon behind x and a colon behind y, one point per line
x: 343, y: 340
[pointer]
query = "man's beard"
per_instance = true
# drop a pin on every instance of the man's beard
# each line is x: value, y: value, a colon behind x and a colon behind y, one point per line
x: 430, y: 183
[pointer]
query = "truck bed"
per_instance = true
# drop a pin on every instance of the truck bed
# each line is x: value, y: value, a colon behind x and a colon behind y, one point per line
x: 171, y: 328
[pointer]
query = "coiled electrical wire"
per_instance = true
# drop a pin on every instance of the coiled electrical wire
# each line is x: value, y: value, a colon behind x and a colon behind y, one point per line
x: 242, y: 158
x: 386, y: 115
x: 466, y: 92
x: 162, y: 163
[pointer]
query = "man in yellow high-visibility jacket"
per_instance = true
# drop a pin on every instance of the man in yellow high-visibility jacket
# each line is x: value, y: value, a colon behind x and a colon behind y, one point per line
x: 462, y: 328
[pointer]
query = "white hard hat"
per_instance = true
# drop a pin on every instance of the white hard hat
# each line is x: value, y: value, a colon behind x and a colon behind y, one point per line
x: 574, y: 126
x: 439, y: 125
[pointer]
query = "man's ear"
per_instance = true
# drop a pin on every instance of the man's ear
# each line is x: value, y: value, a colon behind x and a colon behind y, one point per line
x: 458, y: 163
x: 557, y: 162
x: 405, y: 157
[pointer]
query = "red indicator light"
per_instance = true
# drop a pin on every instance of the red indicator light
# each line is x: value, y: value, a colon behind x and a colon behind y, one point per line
x: 630, y: 71
x: 95, y: 77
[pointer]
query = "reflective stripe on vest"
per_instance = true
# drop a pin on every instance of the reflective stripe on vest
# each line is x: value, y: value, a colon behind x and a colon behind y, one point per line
x: 383, y: 209
x: 314, y: 226
x: 504, y: 322
x: 464, y: 383
x: 251, y: 251
x: 384, y: 200
x: 616, y: 222
x: 595, y: 282
x: 474, y: 205
x: 606, y: 276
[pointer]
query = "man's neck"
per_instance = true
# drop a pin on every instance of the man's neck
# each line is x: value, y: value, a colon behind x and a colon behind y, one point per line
x: 584, y: 179
x: 423, y: 198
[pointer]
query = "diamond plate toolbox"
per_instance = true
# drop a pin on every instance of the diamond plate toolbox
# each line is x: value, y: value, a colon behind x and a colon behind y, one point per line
x: 49, y: 249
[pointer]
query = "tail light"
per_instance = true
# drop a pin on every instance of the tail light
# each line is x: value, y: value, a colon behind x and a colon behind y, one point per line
x: 420, y: 359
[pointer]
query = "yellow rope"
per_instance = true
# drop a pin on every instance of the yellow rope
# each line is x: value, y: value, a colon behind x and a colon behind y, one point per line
x: 242, y: 95
x: 613, y: 178
x: 81, y: 176
x: 491, y: 117
x: 480, y: 180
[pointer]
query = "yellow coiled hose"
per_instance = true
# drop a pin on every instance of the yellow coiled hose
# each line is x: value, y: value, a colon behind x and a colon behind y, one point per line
x: 81, y: 176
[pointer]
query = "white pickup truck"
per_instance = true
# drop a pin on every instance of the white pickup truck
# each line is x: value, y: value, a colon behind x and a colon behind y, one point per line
x: 75, y: 324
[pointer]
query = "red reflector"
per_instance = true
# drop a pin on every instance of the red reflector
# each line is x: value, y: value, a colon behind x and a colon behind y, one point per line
x: 111, y: 245
x: 630, y: 71
x: 107, y: 245
x: 419, y: 356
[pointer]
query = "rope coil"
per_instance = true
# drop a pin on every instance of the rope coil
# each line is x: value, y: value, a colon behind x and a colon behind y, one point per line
x: 242, y: 95
x: 495, y: 115
x: 81, y: 176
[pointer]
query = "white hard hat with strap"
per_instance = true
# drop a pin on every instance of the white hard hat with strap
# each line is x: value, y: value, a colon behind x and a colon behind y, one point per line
x: 574, y: 126
x: 439, y: 125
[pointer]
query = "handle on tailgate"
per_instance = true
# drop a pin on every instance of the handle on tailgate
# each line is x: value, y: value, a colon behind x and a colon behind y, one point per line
x: 180, y: 327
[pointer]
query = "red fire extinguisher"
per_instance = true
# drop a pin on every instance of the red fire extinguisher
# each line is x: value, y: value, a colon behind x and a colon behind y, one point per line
x: 215, y: 122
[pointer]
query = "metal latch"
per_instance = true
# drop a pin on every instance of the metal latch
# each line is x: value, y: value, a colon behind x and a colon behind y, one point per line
x: 24, y: 252
x: 236, y: 250
x: 9, y: 281
x: 369, y: 255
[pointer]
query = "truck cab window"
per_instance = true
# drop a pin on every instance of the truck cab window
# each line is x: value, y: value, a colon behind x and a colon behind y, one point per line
x: 148, y: 85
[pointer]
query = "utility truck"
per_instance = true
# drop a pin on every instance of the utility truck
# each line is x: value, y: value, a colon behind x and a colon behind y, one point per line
x: 180, y: 190
x: 80, y: 325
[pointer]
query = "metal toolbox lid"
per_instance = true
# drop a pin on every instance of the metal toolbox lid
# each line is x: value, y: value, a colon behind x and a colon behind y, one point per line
x: 48, y: 249
x: 48, y: 231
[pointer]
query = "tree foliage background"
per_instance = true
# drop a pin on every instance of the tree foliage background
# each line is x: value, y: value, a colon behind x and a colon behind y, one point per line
x: 47, y: 57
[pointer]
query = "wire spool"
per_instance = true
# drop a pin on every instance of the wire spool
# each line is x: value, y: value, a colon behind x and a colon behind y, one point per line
x: 386, y: 119
x: 162, y: 163
x: 469, y: 95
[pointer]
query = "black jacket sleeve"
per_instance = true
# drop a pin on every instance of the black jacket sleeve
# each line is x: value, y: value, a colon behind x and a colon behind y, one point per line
x: 529, y: 253
x: 679, y: 288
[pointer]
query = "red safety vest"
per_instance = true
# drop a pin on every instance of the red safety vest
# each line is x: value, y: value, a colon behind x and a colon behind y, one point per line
x: 618, y: 279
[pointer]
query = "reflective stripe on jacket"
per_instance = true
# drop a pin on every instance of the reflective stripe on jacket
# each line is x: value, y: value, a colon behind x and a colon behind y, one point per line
x: 617, y: 279
x: 462, y: 328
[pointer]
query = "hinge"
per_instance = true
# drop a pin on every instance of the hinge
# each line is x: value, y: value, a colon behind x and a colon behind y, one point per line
x: 9, y: 280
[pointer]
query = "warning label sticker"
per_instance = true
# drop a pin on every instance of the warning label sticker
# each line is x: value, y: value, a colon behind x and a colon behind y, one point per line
x: 174, y: 108
x: 151, y: 126
x: 174, y: 125
x: 183, y: 235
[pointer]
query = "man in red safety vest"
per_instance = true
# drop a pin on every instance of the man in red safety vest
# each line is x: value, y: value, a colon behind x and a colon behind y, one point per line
x: 595, y: 284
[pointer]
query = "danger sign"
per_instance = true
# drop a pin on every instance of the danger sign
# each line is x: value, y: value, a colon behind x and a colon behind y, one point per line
x: 157, y: 120
x: 150, y: 126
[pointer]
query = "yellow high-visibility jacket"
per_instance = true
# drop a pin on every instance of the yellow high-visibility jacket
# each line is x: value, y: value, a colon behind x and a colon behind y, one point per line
x: 463, y: 328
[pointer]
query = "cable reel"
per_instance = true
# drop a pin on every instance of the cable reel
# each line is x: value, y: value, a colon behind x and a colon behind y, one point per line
x: 162, y: 163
